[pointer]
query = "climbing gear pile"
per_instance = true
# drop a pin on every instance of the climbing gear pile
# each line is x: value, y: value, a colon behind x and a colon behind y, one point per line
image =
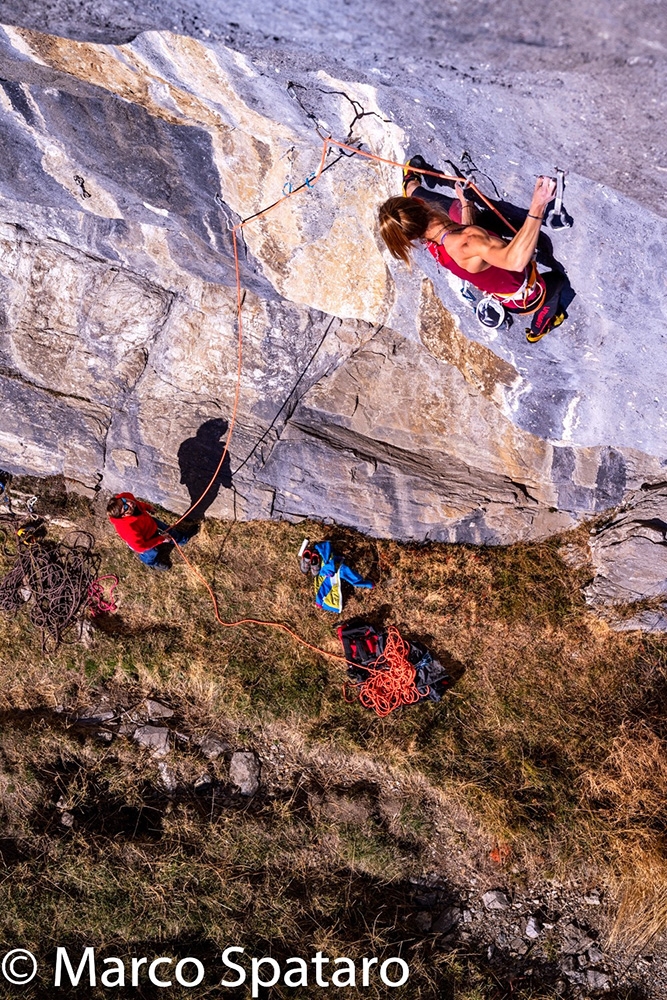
x: 55, y: 581
x: 385, y: 672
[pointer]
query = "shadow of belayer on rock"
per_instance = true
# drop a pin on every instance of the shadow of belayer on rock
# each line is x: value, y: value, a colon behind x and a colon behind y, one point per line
x: 198, y: 460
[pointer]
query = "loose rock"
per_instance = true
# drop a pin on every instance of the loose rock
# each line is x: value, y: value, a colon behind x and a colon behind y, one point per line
x: 168, y: 779
x: 495, y: 900
x: 597, y: 980
x: 594, y: 956
x: 533, y: 928
x: 153, y: 738
x: 575, y: 940
x: 156, y: 710
x: 103, y: 712
x: 447, y: 921
x: 212, y: 747
x: 244, y: 772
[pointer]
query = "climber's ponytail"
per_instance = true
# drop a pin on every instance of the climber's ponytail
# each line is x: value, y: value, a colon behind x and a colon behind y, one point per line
x: 403, y: 221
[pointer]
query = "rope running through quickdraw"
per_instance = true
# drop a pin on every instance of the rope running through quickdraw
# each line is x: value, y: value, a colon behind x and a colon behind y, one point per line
x: 327, y: 143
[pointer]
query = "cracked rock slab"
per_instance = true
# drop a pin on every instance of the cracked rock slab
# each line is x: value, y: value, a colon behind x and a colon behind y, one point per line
x: 630, y: 560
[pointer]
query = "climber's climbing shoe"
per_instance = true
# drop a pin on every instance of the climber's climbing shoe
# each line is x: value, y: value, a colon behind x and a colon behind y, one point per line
x: 533, y: 337
x: 305, y: 556
x: 410, y: 175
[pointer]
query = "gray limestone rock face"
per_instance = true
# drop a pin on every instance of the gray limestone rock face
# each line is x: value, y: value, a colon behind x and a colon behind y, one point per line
x: 630, y: 561
x: 364, y: 393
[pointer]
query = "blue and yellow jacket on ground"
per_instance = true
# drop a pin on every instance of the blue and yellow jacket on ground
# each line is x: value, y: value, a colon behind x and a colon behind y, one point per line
x: 328, y: 583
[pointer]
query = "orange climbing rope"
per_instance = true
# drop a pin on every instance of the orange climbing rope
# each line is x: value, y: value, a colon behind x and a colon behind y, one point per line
x: 253, y: 621
x: 391, y: 680
x: 397, y: 669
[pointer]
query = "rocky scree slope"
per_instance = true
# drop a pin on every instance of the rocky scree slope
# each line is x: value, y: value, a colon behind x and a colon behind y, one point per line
x: 369, y: 395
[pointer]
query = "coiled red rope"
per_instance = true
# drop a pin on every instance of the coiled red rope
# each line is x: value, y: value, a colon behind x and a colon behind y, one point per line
x: 98, y: 603
x: 391, y: 680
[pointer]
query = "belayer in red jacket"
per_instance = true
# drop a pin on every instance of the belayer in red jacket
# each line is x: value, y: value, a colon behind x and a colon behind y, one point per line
x: 149, y: 537
x: 504, y: 270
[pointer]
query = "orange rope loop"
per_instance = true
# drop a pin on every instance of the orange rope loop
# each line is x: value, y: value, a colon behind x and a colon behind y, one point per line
x: 391, y: 680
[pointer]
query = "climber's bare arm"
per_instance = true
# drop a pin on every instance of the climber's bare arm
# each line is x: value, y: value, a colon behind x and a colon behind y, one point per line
x: 468, y: 212
x: 475, y: 247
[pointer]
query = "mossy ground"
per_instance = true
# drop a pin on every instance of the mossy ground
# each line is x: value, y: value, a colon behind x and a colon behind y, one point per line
x: 549, y: 746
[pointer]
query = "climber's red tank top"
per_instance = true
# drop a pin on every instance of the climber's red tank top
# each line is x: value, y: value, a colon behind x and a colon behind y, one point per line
x: 493, y: 279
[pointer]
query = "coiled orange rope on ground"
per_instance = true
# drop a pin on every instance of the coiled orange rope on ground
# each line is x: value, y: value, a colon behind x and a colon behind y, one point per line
x: 391, y: 680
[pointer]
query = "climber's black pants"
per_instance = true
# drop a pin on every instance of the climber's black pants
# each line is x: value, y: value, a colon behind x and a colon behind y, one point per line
x: 554, y: 281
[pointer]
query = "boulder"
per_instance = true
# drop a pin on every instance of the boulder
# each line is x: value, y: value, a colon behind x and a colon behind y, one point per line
x: 630, y: 560
x: 244, y: 771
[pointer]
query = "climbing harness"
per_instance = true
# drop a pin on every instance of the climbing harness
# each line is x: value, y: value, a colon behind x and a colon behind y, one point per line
x: 495, y: 308
x: 521, y: 301
x: 558, y: 217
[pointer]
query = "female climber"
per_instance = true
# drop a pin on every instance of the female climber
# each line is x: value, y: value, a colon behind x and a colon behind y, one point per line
x: 504, y: 270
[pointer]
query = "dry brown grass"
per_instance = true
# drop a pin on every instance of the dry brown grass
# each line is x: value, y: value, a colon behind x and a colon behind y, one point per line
x: 641, y: 889
x: 551, y: 741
